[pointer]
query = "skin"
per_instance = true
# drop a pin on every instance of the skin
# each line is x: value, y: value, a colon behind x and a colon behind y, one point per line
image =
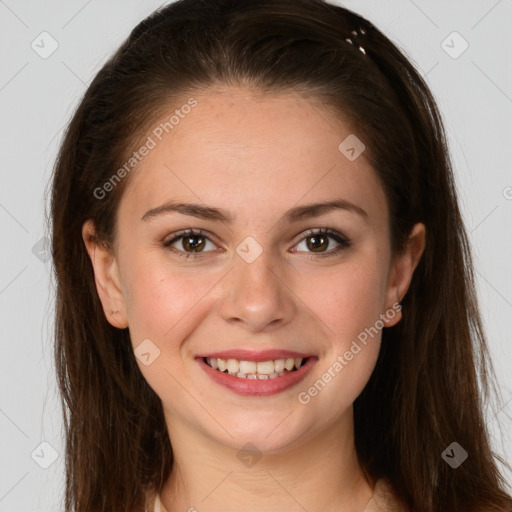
x: 256, y: 156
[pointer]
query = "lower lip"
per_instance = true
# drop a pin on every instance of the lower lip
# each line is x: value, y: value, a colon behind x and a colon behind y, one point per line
x: 258, y: 387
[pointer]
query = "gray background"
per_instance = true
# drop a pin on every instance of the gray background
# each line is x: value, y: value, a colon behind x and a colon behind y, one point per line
x: 37, y: 98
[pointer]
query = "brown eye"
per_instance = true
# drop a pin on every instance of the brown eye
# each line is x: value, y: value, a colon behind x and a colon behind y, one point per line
x: 318, y: 241
x: 188, y: 243
x: 191, y: 243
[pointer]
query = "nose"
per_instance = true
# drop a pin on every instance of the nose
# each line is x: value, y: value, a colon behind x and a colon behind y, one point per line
x: 257, y: 294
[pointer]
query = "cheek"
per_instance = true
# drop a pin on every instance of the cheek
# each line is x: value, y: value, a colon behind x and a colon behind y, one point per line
x: 160, y: 299
x: 348, y: 302
x: 163, y: 306
x: 348, y: 298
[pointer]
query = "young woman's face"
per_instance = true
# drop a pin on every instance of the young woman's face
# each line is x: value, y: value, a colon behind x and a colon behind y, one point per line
x: 256, y: 285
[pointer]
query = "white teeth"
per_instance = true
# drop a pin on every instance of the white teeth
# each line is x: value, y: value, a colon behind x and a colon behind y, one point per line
x: 233, y: 366
x: 255, y: 370
x: 247, y: 367
x: 289, y: 363
x: 265, y: 367
x: 279, y: 365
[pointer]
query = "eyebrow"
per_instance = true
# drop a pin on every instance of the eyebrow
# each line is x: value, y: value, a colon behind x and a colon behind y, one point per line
x: 218, y: 214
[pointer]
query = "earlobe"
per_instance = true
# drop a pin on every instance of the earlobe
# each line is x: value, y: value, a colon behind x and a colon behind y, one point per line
x: 402, y: 270
x: 106, y: 277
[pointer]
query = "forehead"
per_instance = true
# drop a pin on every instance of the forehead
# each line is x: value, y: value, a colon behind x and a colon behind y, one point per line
x: 253, y: 152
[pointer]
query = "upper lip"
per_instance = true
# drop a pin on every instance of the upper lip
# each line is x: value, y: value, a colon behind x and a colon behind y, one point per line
x: 254, y: 355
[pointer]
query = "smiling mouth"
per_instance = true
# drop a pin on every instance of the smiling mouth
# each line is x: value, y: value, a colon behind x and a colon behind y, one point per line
x: 263, y: 370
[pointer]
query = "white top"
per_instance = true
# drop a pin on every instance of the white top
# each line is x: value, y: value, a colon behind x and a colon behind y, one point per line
x: 158, y: 504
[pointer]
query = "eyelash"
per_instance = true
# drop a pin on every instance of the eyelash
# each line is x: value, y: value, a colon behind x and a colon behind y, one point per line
x: 344, y: 242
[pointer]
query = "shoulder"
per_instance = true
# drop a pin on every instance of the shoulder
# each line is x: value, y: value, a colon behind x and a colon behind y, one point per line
x: 384, y: 498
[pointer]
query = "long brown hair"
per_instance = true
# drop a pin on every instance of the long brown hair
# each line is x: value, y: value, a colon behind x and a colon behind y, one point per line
x: 423, y: 394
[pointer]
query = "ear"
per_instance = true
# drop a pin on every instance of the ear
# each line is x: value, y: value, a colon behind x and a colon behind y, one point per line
x: 106, y: 276
x: 401, y: 271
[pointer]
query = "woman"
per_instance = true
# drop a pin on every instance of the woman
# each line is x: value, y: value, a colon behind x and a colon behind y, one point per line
x: 265, y: 296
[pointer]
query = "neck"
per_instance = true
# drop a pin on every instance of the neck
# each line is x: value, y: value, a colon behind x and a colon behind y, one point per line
x: 318, y: 473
